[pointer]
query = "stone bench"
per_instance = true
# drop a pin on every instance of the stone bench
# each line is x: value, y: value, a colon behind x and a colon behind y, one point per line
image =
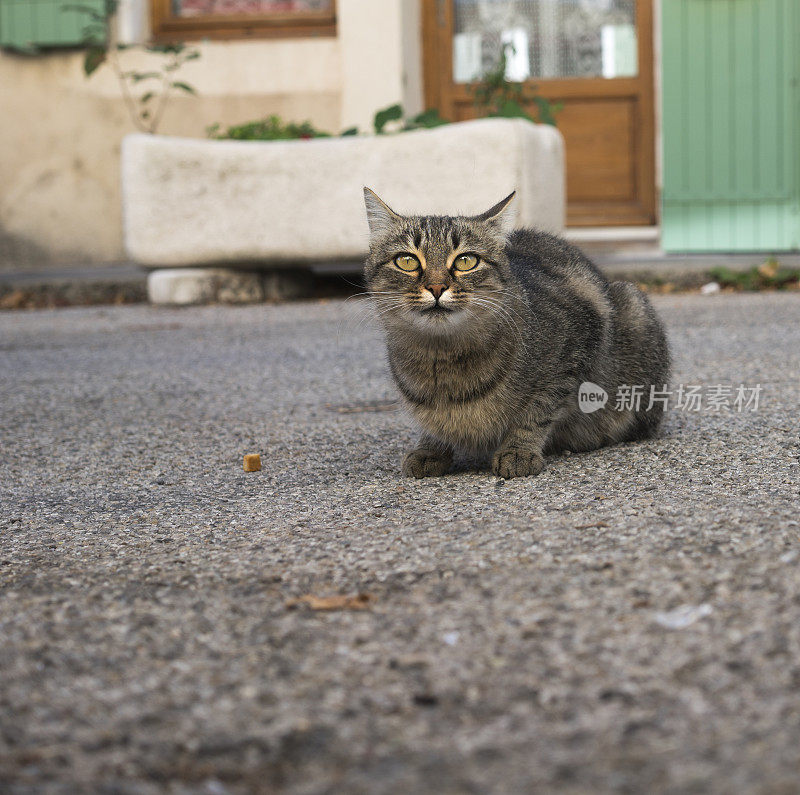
x: 253, y: 206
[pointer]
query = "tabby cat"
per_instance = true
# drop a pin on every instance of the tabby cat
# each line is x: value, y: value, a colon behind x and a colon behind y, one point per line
x: 491, y: 333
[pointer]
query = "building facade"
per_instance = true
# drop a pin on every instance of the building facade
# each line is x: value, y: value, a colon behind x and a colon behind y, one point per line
x: 679, y: 116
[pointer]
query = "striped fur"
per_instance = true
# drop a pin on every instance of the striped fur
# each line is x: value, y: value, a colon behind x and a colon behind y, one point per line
x: 494, y: 364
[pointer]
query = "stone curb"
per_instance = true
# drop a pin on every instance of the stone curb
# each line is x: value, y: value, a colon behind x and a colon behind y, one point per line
x: 188, y: 286
x: 54, y: 292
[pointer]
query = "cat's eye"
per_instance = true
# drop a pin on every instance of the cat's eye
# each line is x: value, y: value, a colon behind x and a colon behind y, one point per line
x: 406, y: 262
x: 466, y: 262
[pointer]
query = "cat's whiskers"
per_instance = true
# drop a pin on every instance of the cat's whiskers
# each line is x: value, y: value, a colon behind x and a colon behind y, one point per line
x: 512, y: 311
x: 376, y: 305
x: 507, y: 303
x: 496, y: 308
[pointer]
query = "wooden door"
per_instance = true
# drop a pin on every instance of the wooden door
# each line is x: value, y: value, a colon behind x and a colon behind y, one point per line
x: 607, y: 121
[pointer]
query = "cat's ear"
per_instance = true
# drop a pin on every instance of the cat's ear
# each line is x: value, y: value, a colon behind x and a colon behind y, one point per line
x: 379, y: 215
x: 497, y: 214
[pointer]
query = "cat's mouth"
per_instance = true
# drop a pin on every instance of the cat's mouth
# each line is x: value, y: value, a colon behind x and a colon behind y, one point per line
x: 437, y: 309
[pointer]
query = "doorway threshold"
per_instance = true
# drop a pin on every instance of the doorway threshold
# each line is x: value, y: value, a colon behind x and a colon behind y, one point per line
x: 616, y: 241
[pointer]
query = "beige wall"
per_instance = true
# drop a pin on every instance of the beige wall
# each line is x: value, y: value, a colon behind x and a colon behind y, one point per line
x: 381, y: 57
x: 61, y: 132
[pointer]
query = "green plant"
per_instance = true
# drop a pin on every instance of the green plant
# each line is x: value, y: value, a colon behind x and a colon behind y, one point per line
x: 273, y: 128
x: 270, y: 129
x: 425, y: 120
x: 145, y: 93
x: 383, y: 117
x: 767, y: 276
x: 496, y: 96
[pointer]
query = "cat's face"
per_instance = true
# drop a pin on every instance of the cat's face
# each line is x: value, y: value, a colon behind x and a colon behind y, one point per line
x: 436, y: 273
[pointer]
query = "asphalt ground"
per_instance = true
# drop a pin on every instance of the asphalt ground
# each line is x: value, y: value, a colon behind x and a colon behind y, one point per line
x: 628, y: 621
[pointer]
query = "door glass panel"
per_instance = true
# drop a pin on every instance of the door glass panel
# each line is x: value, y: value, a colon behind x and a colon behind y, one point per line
x: 545, y: 38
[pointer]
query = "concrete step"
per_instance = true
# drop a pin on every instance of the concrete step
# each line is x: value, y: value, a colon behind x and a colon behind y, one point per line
x: 613, y: 241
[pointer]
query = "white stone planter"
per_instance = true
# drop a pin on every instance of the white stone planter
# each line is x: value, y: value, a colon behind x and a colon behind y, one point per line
x: 191, y: 202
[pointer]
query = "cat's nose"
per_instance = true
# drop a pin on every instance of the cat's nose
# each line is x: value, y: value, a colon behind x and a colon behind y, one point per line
x: 437, y: 290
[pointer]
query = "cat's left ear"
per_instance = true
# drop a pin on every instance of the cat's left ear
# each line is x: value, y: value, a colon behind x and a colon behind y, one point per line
x: 379, y: 215
x: 497, y: 214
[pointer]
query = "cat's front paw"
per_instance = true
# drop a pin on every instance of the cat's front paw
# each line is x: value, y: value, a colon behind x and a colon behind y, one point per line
x: 517, y: 462
x: 422, y: 463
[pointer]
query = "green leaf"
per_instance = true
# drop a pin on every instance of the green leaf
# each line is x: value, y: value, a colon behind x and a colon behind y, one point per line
x: 547, y: 110
x: 184, y: 87
x: 511, y: 109
x: 93, y: 34
x: 94, y: 57
x: 426, y: 120
x: 349, y: 131
x: 145, y: 98
x: 137, y: 77
x: 383, y: 117
x: 165, y: 49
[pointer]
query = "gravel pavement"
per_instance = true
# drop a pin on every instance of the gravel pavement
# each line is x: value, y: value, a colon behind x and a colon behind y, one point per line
x: 628, y: 621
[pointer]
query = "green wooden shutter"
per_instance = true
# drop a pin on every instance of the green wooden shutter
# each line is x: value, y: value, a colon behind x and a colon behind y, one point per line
x: 730, y: 121
x: 29, y: 24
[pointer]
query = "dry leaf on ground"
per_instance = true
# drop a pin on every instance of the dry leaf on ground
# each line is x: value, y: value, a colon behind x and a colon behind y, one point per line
x: 359, y: 601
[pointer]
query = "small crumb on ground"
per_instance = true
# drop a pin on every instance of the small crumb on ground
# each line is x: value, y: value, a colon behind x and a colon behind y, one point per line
x: 252, y: 462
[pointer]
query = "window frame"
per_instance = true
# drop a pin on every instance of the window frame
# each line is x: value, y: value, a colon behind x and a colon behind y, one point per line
x: 166, y: 26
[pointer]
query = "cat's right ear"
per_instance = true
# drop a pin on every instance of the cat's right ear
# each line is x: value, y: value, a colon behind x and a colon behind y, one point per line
x: 379, y: 215
x: 497, y: 215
